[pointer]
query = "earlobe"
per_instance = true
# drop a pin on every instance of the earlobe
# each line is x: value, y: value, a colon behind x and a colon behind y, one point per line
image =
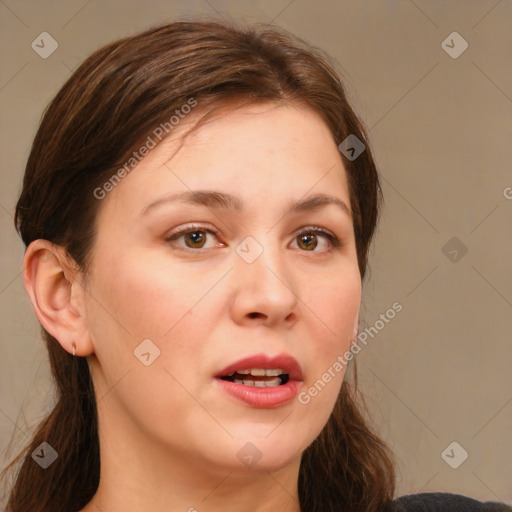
x: 57, y: 295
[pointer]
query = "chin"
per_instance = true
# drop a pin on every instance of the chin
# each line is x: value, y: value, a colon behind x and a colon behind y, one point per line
x: 268, y: 454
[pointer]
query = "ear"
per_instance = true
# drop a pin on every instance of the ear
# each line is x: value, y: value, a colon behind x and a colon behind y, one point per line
x: 55, y: 287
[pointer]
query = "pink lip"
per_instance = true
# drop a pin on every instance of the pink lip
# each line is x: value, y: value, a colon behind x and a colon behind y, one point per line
x: 263, y: 397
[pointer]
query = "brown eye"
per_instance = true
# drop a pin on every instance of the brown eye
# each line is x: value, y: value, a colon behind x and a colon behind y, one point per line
x: 316, y: 239
x: 195, y: 239
x: 307, y: 241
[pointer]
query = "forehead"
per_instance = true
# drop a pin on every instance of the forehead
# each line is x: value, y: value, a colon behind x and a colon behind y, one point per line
x: 272, y: 125
x: 267, y: 149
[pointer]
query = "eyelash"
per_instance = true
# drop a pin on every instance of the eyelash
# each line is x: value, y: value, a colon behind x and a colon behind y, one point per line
x: 316, y: 230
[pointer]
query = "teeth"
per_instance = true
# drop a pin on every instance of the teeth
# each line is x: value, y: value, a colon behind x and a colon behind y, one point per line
x: 274, y: 372
x: 260, y: 383
x: 268, y: 373
x: 261, y: 372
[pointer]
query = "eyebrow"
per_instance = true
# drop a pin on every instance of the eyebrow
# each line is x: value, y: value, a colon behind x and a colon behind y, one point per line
x: 216, y: 200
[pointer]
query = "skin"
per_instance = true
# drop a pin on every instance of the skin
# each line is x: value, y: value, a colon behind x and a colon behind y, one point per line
x: 169, y: 434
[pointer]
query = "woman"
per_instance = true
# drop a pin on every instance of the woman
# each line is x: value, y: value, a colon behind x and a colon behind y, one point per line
x: 197, y: 209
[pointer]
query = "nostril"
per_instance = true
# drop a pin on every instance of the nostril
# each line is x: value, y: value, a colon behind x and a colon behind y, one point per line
x: 255, y: 315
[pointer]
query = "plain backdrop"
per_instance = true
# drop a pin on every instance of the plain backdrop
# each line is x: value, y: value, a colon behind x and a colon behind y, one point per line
x: 439, y: 119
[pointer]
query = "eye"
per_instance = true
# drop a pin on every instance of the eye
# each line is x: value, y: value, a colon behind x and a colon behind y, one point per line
x: 313, y: 237
x: 194, y: 237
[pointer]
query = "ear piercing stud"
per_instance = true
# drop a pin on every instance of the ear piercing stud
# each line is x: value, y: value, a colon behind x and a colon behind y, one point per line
x: 73, y: 344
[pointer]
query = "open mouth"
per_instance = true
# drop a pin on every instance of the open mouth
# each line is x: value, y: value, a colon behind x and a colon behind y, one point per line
x: 262, y: 381
x: 259, y: 377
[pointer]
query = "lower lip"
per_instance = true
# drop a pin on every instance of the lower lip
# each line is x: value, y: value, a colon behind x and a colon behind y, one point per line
x: 263, y: 398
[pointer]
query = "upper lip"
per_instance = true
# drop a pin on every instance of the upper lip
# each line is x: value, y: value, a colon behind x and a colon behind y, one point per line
x: 286, y: 362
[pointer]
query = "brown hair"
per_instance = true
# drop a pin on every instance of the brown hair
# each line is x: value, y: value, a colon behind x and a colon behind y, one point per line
x: 110, y: 104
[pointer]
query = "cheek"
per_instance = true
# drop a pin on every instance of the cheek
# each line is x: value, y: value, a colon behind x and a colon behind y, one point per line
x: 335, y: 303
x: 334, y: 308
x: 150, y: 300
x: 140, y: 298
x: 175, y: 310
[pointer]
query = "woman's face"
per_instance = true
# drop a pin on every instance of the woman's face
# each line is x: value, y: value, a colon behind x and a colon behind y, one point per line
x: 259, y: 271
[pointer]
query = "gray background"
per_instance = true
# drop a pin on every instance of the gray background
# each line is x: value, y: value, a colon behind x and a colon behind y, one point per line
x: 441, y: 128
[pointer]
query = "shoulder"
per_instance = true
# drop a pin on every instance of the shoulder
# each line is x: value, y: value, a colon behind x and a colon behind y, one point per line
x: 445, y: 502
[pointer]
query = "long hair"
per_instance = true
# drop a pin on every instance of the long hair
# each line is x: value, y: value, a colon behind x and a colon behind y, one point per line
x: 112, y: 103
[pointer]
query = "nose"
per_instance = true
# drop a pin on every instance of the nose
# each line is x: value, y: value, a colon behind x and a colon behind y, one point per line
x: 264, y: 291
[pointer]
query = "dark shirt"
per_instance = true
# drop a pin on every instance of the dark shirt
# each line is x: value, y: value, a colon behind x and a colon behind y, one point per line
x: 446, y: 502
